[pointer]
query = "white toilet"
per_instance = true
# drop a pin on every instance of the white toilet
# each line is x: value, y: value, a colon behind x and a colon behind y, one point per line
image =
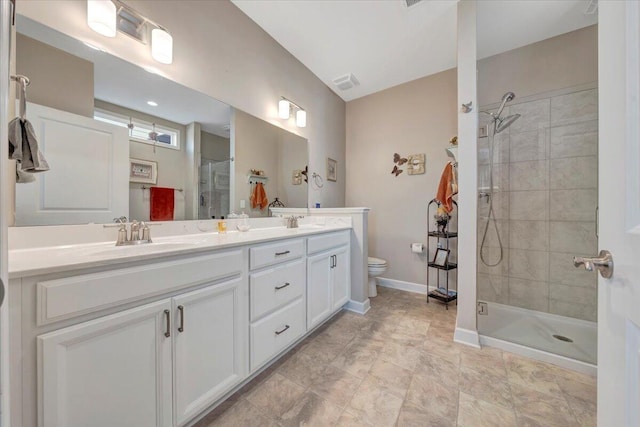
x: 376, y: 267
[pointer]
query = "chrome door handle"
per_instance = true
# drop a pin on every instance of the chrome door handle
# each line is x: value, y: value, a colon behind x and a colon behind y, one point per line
x: 181, y: 310
x: 167, y: 315
x: 282, y: 330
x: 603, y: 262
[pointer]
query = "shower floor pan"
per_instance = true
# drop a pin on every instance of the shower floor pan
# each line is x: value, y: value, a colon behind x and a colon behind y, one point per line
x: 571, y: 339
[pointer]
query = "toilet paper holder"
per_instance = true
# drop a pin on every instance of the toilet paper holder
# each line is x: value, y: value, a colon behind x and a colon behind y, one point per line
x: 417, y: 248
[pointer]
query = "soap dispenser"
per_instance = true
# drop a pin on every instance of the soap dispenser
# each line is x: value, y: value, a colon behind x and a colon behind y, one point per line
x: 243, y: 224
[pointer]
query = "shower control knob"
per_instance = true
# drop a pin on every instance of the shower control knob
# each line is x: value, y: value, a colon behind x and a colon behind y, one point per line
x: 603, y: 263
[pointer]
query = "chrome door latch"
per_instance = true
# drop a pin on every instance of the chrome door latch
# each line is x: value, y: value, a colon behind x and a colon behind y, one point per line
x: 603, y: 263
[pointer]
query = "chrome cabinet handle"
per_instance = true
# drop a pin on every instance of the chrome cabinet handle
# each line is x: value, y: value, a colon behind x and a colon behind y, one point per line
x: 283, y: 286
x: 181, y: 310
x: 167, y: 315
x: 282, y: 253
x: 281, y: 331
x: 603, y: 263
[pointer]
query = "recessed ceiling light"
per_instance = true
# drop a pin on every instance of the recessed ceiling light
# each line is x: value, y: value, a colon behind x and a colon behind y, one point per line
x: 152, y: 103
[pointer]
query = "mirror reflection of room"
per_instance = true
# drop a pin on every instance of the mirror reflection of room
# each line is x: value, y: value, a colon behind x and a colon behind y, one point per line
x: 131, y: 144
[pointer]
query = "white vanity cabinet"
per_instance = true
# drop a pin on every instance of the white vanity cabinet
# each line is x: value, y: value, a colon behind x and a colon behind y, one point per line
x: 157, y: 342
x: 112, y: 371
x: 277, y: 298
x: 328, y: 273
x: 209, y: 335
x: 133, y: 367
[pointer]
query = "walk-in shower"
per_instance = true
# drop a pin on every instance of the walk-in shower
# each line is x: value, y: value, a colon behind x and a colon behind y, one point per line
x: 497, y: 125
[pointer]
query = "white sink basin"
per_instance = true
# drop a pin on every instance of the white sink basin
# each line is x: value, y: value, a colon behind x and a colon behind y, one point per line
x: 142, y: 249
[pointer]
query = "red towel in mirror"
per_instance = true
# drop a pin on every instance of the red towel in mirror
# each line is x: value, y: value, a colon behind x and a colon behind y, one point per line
x: 162, y: 204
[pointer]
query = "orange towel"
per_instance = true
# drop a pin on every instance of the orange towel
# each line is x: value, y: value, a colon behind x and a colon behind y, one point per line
x: 447, y: 188
x: 259, y: 197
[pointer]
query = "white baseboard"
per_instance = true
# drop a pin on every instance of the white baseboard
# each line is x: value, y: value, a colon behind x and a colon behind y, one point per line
x: 467, y: 337
x: 401, y: 285
x: 357, y: 306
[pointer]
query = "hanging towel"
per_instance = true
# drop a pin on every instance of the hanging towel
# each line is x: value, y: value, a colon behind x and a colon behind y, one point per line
x: 259, y: 197
x: 162, y: 204
x: 447, y: 188
x: 23, y: 147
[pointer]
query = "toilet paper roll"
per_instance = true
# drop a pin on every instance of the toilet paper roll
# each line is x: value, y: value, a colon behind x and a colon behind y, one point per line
x: 417, y: 248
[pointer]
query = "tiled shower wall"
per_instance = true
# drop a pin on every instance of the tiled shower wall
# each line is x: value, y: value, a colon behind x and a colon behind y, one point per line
x: 545, y: 199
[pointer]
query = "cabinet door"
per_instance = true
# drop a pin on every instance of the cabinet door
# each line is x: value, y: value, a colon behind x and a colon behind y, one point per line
x: 112, y: 371
x: 341, y: 277
x: 319, y: 302
x: 210, y: 332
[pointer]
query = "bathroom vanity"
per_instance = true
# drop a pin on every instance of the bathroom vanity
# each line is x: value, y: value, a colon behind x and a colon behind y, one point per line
x: 133, y: 336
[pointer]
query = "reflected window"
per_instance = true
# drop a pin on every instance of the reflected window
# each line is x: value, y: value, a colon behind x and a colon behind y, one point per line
x: 140, y: 130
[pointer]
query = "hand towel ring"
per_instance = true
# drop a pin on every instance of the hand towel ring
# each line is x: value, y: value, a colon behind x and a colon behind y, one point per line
x: 317, y: 179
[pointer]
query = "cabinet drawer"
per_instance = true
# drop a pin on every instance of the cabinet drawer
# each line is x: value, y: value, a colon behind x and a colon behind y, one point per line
x: 275, y: 332
x: 76, y: 295
x: 275, y: 287
x: 327, y: 241
x: 274, y: 253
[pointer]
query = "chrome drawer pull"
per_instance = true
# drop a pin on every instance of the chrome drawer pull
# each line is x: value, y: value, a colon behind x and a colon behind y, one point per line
x: 283, y: 286
x: 285, y: 328
x: 167, y: 315
x: 181, y: 310
x: 282, y: 253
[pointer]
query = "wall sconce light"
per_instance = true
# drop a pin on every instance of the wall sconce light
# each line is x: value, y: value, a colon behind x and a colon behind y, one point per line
x: 161, y: 46
x: 286, y: 107
x: 101, y: 17
x: 106, y: 17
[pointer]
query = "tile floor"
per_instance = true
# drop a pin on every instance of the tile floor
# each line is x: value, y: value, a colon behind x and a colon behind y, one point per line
x: 399, y: 366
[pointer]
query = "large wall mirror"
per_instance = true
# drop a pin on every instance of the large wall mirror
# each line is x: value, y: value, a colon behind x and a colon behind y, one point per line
x: 123, y: 141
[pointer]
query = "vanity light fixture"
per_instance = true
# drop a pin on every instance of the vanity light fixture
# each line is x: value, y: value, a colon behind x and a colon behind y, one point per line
x: 101, y: 17
x: 161, y: 46
x: 107, y: 17
x: 152, y: 103
x: 301, y: 118
x: 286, y: 107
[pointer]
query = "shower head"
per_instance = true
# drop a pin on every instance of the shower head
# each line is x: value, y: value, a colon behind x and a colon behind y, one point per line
x: 502, y: 124
x: 507, y: 97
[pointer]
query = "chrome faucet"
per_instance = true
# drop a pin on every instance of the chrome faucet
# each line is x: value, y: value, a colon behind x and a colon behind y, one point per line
x: 134, y: 237
x: 292, y: 221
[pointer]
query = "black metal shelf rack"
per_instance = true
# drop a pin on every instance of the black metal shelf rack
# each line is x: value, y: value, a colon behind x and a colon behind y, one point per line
x: 445, y: 236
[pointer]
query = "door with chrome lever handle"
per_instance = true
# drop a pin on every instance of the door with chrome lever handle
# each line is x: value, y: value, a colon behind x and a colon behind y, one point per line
x: 603, y: 263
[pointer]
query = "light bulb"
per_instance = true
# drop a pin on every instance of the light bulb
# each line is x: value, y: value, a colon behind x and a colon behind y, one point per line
x: 283, y: 109
x: 301, y: 118
x: 161, y: 46
x: 101, y: 17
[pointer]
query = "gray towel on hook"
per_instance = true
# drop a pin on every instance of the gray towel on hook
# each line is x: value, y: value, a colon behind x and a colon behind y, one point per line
x: 23, y: 147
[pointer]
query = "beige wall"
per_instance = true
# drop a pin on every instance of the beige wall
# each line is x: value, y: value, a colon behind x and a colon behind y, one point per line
x: 256, y: 148
x: 260, y: 145
x: 559, y: 62
x: 58, y: 79
x: 220, y: 52
x: 214, y: 147
x: 415, y: 117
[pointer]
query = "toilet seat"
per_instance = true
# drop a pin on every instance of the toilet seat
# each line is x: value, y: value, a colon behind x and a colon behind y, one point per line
x: 376, y: 262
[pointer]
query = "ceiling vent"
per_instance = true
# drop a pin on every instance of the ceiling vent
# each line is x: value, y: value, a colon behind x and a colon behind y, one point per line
x: 410, y: 3
x: 346, y: 82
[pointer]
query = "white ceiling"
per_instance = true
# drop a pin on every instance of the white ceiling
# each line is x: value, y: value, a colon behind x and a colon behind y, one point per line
x: 384, y: 43
x: 122, y: 83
